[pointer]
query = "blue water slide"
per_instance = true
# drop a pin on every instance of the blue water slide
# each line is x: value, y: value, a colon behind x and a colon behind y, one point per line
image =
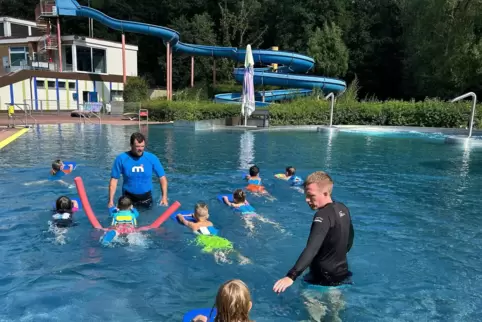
x: 290, y: 62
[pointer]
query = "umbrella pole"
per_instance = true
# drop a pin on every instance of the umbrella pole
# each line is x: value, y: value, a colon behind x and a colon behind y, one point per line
x: 245, y: 117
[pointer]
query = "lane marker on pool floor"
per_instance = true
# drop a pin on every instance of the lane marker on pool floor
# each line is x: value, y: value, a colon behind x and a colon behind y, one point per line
x: 12, y: 137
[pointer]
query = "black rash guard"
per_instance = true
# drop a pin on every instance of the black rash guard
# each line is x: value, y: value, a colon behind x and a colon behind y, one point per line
x: 331, y: 237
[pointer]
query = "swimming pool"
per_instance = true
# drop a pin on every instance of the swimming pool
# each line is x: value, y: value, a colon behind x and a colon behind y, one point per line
x: 415, y: 204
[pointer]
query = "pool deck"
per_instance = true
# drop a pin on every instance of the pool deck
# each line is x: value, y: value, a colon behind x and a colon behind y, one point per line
x: 8, y: 135
x: 65, y: 118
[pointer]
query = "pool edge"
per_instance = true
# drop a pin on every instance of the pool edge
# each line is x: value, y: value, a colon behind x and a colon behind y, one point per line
x: 12, y: 137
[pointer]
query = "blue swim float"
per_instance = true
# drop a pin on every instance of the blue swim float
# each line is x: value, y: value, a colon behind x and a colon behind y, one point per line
x: 187, y: 214
x: 244, y: 210
x: 210, y: 313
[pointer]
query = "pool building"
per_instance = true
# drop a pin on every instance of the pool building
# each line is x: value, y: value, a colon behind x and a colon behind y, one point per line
x: 43, y: 71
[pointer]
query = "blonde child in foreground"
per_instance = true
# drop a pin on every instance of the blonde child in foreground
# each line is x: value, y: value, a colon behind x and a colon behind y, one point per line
x: 233, y: 303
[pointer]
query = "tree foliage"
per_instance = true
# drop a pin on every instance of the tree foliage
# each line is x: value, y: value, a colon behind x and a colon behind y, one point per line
x: 395, y: 48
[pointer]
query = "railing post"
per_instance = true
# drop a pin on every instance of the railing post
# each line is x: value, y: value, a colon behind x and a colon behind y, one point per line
x: 474, y: 103
x: 332, y: 96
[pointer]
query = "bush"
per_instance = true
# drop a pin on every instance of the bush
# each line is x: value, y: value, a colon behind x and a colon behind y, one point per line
x: 162, y: 110
x: 428, y: 113
x: 136, y: 90
x: 311, y: 111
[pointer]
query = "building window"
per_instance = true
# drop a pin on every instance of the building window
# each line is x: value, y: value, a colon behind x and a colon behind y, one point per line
x: 72, y: 85
x: 67, y: 52
x: 18, y: 56
x: 51, y: 84
x: 1, y: 30
x: 40, y: 83
x: 84, y: 63
x: 91, y: 60
x: 117, y: 96
x: 19, y: 31
x: 98, y: 57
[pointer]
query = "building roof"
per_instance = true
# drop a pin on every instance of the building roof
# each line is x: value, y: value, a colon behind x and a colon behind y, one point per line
x: 19, y: 21
x: 79, y: 40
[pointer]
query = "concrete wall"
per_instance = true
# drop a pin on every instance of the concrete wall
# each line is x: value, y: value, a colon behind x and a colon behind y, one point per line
x: 114, y: 61
x: 44, y: 93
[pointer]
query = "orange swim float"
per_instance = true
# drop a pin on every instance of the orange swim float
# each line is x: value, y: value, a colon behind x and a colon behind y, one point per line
x: 255, y: 188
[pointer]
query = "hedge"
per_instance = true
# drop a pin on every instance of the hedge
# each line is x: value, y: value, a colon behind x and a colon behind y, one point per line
x: 310, y: 111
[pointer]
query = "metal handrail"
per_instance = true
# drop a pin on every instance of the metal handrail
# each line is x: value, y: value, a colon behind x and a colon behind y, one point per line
x: 26, y: 110
x: 474, y: 102
x: 90, y: 112
x: 332, y: 96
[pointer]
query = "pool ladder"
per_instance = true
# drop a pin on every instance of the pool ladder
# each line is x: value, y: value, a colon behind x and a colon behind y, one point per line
x: 474, y: 102
x: 26, y: 111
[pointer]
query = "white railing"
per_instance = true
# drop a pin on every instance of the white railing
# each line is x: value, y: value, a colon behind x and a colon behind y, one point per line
x: 41, y: 106
x: 90, y: 109
x: 474, y: 102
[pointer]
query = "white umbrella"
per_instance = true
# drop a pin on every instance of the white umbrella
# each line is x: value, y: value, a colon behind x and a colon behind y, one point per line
x: 248, y: 103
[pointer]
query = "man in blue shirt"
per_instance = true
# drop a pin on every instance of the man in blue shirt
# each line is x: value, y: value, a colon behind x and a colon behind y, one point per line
x: 136, y: 167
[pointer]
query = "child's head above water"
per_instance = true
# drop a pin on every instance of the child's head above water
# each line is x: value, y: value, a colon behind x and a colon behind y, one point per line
x: 124, y: 203
x: 239, y: 196
x: 57, y: 165
x: 201, y: 211
x: 233, y: 302
x: 63, y: 205
x: 254, y: 171
x: 290, y: 171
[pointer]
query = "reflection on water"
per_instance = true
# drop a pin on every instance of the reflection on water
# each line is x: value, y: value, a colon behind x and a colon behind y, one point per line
x: 246, y: 150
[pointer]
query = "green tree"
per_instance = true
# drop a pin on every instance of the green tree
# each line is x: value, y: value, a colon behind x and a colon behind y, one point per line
x: 136, y: 90
x: 326, y: 46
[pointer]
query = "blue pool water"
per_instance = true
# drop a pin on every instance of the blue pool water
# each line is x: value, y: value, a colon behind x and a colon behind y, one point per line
x: 415, y: 204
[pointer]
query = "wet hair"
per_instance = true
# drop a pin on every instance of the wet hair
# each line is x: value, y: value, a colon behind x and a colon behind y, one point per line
x: 57, y: 165
x: 321, y: 179
x: 201, y: 210
x: 253, y: 171
x: 290, y: 171
x: 239, y: 195
x: 124, y: 203
x: 139, y: 137
x: 64, y: 204
x: 233, y: 302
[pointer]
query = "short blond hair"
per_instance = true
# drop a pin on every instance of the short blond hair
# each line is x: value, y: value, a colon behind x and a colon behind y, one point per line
x: 233, y: 302
x: 320, y: 178
x: 201, y: 210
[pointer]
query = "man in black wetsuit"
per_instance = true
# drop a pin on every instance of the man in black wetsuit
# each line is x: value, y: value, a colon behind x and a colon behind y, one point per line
x: 331, y: 237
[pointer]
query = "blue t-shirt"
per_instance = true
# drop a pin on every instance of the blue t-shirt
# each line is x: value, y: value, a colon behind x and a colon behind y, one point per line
x: 137, y: 171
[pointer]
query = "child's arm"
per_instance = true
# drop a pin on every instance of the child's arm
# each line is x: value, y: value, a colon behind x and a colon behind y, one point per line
x: 185, y: 222
x: 135, y: 213
x: 226, y: 201
x: 62, y: 182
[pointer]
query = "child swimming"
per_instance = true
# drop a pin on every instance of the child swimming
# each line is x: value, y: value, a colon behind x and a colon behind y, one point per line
x: 290, y: 174
x: 207, y: 235
x: 64, y: 208
x: 253, y: 177
x: 124, y: 220
x: 57, y: 171
x: 254, y: 183
x: 58, y: 168
x: 233, y: 303
x: 240, y: 204
x: 124, y: 217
